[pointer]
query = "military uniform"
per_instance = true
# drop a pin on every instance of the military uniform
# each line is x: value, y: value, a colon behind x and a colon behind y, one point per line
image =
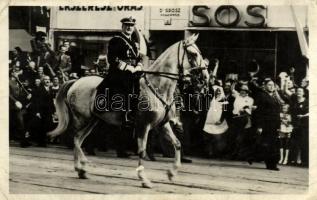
x: 124, y: 60
x: 17, y: 126
x: 122, y: 52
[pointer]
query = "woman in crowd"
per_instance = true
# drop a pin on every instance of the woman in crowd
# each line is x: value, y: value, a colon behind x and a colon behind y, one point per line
x: 242, y: 110
x: 300, y: 113
x: 215, y: 123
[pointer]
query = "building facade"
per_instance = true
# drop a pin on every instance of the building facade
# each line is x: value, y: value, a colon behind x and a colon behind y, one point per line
x: 234, y: 34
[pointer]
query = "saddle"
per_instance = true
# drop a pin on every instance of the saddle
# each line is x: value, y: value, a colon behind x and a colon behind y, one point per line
x: 110, y: 93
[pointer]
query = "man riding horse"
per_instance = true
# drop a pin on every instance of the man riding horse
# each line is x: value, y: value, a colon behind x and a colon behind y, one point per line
x: 76, y: 99
x: 125, y: 60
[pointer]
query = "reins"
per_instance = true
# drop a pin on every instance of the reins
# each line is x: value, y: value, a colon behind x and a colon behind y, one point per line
x: 178, y: 77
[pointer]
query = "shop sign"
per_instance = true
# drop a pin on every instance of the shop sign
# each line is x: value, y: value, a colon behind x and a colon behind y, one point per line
x: 169, y: 18
x: 100, y: 8
x: 249, y: 16
x: 95, y: 17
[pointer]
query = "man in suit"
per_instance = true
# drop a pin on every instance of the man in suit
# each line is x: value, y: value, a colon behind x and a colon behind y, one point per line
x: 42, y: 106
x: 267, y: 122
x: 124, y: 60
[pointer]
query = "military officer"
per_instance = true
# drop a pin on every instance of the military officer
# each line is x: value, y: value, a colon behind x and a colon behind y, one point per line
x: 124, y: 61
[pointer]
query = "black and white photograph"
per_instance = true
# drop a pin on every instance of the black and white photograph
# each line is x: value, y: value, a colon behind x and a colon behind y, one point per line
x: 181, y: 99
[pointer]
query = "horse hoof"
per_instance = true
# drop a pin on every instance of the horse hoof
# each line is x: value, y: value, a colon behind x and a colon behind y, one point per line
x: 170, y: 175
x: 147, y: 185
x: 82, y: 174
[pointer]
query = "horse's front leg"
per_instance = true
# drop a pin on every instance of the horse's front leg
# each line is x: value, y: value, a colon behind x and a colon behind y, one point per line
x: 142, y: 134
x: 171, y: 173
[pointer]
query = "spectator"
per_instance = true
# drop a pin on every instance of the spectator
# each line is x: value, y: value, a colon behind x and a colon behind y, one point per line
x: 19, y: 56
x: 30, y: 73
x: 43, y: 108
x: 63, y: 62
x: 102, y: 62
x: 38, y: 47
x: 227, y: 112
x: 215, y: 124
x: 268, y: 121
x: 55, y: 87
x: 66, y: 44
x: 286, y: 128
x: 242, y: 110
x: 76, y: 58
x: 300, y: 113
x: 19, y: 99
x: 40, y: 73
x: 17, y: 71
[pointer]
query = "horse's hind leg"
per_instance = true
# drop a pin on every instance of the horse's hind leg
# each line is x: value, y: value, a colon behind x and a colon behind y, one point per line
x: 142, y: 140
x: 79, y: 156
x: 177, y: 146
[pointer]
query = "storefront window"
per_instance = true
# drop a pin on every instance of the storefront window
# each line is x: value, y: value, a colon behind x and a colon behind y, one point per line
x: 273, y: 51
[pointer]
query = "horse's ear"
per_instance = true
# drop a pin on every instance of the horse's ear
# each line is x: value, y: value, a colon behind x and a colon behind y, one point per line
x: 192, y: 39
x: 195, y: 37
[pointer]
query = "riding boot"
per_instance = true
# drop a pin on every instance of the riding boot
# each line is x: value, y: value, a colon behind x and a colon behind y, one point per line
x: 121, y: 143
x: 128, y: 120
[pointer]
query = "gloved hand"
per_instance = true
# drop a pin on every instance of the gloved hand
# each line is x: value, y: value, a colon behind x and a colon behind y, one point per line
x: 38, y: 115
x: 18, y: 104
x: 130, y: 68
x: 139, y: 67
x: 259, y: 131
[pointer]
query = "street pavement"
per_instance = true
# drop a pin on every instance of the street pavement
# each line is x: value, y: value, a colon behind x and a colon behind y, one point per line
x: 50, y: 170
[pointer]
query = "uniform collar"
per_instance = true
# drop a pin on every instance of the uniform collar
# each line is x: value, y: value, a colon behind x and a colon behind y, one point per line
x: 126, y: 36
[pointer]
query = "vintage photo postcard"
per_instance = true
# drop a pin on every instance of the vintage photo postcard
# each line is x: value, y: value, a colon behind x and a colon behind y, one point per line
x: 166, y: 99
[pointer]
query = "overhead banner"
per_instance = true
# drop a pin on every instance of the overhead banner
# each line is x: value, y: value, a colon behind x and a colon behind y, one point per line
x: 95, y: 17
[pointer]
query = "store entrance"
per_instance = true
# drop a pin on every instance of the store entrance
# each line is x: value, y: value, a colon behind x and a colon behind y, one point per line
x: 236, y: 49
x: 274, y: 51
x: 90, y: 44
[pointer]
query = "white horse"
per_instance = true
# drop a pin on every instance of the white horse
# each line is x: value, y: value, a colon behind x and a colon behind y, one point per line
x: 75, y: 102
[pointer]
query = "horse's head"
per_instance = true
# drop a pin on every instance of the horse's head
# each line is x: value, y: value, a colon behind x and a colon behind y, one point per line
x: 194, y: 62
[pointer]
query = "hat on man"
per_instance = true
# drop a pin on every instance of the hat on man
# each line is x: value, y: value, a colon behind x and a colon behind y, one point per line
x: 244, y: 87
x: 128, y: 20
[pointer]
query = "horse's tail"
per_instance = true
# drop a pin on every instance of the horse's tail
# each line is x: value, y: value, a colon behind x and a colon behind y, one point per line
x: 62, y: 110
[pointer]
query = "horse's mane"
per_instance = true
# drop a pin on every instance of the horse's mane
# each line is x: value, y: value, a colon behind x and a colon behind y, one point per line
x: 163, y: 56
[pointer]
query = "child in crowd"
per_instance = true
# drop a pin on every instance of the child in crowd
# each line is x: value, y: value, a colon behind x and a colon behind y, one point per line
x: 285, y: 132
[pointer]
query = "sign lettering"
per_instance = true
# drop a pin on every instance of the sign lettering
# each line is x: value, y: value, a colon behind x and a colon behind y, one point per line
x: 100, y: 8
x: 229, y: 16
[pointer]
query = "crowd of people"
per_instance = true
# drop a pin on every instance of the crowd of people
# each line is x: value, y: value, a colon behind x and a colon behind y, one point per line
x: 251, y: 118
x: 35, y: 78
x: 247, y: 118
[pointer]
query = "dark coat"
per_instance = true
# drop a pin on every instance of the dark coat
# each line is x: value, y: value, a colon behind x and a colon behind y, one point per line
x: 267, y: 117
x: 120, y: 81
x: 122, y: 49
x: 42, y: 101
x: 16, y: 93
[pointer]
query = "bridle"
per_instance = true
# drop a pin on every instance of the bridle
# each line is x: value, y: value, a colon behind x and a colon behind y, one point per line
x: 180, y: 76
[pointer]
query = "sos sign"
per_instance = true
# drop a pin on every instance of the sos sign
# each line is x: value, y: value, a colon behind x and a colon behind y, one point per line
x: 229, y: 16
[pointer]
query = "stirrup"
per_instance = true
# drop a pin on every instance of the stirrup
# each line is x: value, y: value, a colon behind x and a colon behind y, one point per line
x: 128, y: 121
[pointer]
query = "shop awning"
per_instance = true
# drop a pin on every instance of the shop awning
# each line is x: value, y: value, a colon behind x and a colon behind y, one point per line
x: 19, y: 38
